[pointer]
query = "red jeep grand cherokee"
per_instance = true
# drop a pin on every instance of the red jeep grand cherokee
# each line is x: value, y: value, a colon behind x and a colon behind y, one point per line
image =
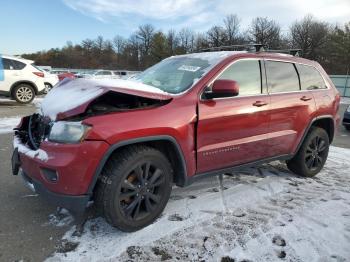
x: 124, y: 143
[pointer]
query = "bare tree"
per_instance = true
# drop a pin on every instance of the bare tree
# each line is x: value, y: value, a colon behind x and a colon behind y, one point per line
x: 201, y: 41
x: 265, y: 31
x: 119, y: 43
x: 145, y: 34
x: 172, y: 41
x: 309, y: 35
x: 216, y: 36
x: 232, y: 25
x: 99, y: 44
x: 87, y: 45
x: 186, y: 39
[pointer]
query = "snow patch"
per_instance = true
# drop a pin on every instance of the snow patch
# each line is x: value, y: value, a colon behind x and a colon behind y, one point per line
x: 259, y: 214
x: 7, y: 124
x: 70, y: 94
x: 345, y: 100
x: 39, y: 154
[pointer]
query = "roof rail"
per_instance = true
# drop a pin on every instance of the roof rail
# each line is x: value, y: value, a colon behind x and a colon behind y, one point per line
x: 252, y: 48
x: 246, y: 47
x: 293, y: 52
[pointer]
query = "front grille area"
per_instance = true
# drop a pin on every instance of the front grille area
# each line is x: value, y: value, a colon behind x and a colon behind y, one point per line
x: 33, y: 130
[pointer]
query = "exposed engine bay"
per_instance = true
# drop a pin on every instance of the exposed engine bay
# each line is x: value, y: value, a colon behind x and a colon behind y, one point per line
x: 119, y: 102
x: 36, y: 128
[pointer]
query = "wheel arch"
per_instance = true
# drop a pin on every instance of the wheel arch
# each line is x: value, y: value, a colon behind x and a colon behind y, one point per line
x: 326, y: 122
x: 164, y: 143
x: 27, y: 82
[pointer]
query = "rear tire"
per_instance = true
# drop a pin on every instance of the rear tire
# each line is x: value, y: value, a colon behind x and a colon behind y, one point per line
x: 347, y: 128
x: 134, y: 188
x: 23, y: 93
x: 312, y: 154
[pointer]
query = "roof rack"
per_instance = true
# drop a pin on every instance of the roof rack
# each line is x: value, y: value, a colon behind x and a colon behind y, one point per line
x: 246, y: 47
x: 293, y: 52
x: 252, y: 48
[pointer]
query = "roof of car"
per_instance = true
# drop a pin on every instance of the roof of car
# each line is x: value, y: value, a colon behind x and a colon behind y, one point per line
x: 18, y: 58
x: 263, y: 54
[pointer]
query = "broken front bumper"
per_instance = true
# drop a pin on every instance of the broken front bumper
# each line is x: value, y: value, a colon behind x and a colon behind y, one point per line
x: 75, y: 204
x: 64, y: 176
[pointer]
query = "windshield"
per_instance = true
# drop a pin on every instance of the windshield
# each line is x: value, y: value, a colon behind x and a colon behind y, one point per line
x: 177, y: 74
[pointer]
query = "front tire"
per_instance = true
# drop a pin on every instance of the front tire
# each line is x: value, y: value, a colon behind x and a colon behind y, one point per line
x: 312, y: 154
x: 134, y: 188
x: 23, y: 93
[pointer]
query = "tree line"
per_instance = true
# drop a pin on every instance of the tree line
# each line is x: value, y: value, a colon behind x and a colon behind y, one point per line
x: 326, y: 43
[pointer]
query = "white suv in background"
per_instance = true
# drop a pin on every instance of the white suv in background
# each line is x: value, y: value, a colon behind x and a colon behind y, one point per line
x: 19, y: 79
x: 50, y: 80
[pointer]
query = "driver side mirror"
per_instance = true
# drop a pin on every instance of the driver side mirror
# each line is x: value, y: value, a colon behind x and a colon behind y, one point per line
x: 223, y: 88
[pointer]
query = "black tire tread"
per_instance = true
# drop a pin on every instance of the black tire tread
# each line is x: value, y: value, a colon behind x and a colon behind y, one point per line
x: 112, y: 169
x: 296, y: 164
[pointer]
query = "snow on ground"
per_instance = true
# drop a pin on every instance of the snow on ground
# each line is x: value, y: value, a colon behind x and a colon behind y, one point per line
x: 262, y: 214
x: 345, y: 100
x: 8, y: 123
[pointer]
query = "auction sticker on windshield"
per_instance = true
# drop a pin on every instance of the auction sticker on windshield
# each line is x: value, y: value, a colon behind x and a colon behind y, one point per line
x: 189, y: 68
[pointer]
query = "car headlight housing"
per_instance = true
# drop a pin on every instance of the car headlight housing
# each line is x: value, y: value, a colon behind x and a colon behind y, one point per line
x: 68, y: 132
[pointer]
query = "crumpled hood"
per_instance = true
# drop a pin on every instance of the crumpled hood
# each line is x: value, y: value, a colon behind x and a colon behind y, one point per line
x: 72, y: 97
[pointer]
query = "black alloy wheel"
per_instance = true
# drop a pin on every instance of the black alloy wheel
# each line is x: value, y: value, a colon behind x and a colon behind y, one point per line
x: 134, y: 187
x: 141, y: 191
x: 312, y: 154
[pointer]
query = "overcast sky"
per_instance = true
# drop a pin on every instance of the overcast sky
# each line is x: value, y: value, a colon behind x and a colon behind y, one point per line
x: 34, y: 25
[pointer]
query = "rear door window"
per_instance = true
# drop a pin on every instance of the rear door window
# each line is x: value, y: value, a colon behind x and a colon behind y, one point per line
x: 247, y: 74
x: 281, y: 77
x: 310, y: 78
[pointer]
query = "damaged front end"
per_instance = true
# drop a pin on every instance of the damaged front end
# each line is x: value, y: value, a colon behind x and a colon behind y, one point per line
x: 33, y: 130
x: 28, y: 136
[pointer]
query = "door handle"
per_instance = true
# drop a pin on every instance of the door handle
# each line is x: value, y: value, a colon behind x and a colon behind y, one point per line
x: 305, y: 98
x: 259, y: 103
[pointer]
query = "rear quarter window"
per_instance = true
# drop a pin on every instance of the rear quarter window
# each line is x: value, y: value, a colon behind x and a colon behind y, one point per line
x: 10, y: 64
x: 281, y: 77
x: 310, y: 78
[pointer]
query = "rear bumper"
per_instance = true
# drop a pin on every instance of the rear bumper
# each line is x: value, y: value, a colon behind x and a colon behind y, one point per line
x: 75, y: 204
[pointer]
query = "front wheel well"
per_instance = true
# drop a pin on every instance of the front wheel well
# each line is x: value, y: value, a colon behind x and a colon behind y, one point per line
x: 327, y: 124
x: 167, y: 145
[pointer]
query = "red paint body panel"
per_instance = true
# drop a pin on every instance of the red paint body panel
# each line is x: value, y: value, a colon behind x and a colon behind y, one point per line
x: 231, y: 131
x: 65, y: 75
x: 211, y: 134
x: 75, y: 165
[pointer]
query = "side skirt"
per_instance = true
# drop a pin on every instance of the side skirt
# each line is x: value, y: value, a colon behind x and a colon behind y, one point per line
x: 199, y: 176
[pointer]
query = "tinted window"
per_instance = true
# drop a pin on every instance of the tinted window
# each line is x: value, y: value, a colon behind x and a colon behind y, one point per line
x: 310, y: 78
x: 17, y: 65
x: 247, y: 74
x: 281, y: 77
x: 7, y: 64
x: 10, y: 64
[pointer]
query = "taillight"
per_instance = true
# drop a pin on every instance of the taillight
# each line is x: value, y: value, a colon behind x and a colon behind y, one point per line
x: 39, y: 74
